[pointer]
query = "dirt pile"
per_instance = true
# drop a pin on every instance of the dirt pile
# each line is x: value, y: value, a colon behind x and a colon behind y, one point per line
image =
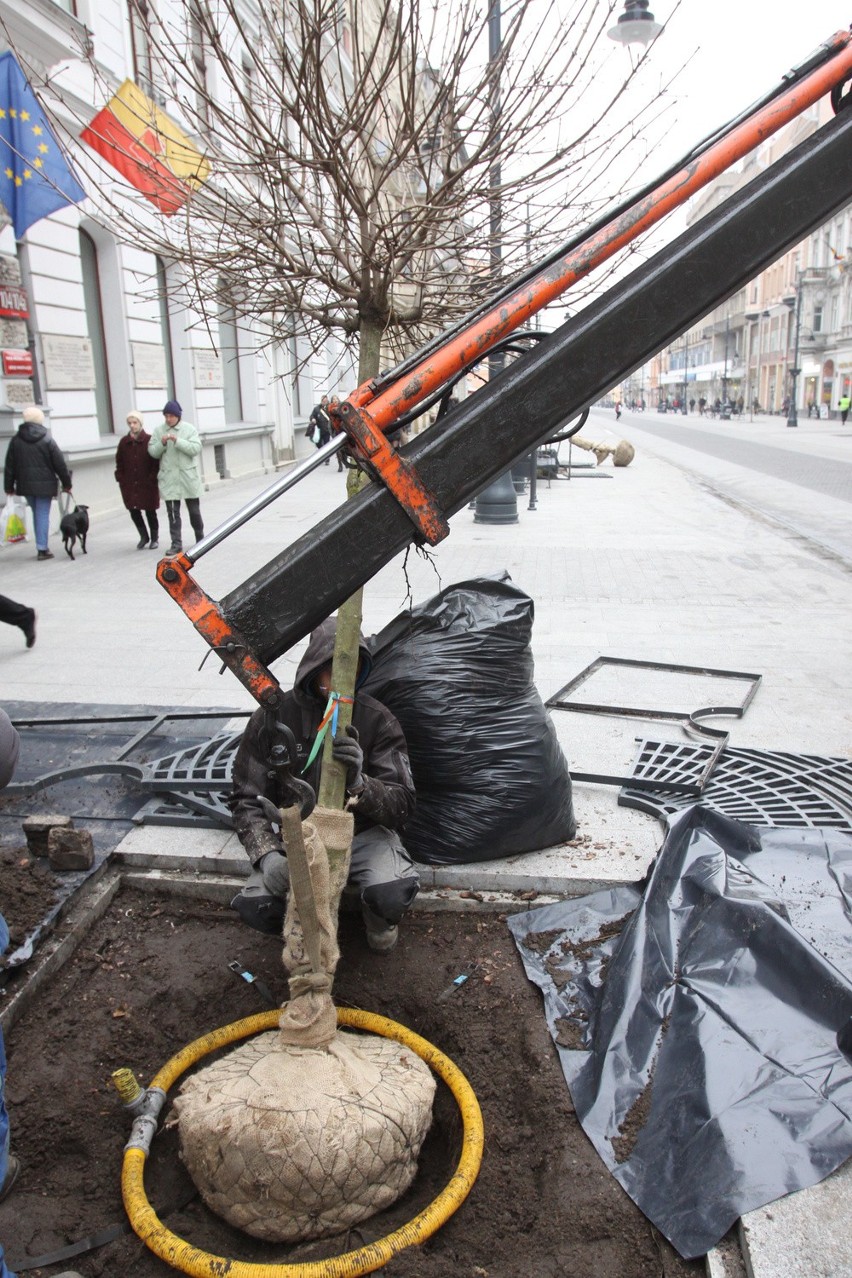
x: 154, y: 974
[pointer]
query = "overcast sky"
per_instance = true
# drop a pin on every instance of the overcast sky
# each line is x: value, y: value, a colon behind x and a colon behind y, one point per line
x: 741, y: 49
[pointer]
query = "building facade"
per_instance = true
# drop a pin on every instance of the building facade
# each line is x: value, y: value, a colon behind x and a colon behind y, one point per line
x: 784, y: 338
x: 92, y: 327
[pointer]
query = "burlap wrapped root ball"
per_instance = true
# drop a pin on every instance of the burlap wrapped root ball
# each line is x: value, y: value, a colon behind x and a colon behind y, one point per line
x: 291, y: 1143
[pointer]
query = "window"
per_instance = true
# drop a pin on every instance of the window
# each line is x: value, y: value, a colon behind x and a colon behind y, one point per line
x: 140, y: 40
x: 97, y: 332
x: 165, y: 326
x: 198, y: 54
x: 817, y: 324
x: 229, y: 349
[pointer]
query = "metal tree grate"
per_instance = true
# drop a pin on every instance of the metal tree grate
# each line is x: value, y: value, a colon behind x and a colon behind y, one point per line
x: 758, y: 787
x: 205, y: 767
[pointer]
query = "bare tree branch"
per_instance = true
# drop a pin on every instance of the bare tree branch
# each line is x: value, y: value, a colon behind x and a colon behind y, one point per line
x: 354, y: 147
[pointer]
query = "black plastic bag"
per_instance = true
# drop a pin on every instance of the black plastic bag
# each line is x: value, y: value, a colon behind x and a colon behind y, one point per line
x: 457, y: 672
x: 702, y: 1019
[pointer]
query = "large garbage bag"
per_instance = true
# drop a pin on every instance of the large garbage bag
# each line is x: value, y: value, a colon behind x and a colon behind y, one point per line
x: 457, y: 672
x: 703, y: 1019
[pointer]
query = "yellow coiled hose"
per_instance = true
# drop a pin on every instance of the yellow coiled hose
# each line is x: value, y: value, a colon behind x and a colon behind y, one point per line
x: 365, y: 1260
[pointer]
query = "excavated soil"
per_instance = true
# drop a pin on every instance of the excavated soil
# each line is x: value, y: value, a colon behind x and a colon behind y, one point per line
x: 153, y: 975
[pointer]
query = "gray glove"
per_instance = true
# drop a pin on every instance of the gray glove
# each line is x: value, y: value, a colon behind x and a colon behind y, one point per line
x: 348, y: 752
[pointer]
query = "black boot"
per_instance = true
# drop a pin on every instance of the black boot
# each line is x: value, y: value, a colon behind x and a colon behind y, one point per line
x: 139, y: 525
x: 173, y: 511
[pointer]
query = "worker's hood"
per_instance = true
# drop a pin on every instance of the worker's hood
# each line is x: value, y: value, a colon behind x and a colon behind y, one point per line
x: 32, y: 433
x: 318, y: 653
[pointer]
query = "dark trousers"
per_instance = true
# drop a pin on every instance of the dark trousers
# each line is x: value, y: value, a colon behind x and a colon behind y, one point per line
x: 193, y: 506
x: 152, y: 532
x: 15, y: 614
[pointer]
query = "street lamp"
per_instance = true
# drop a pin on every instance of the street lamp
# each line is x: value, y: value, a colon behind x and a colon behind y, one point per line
x: 636, y: 25
x: 795, y: 302
x: 725, y: 415
x: 683, y: 407
x: 497, y: 504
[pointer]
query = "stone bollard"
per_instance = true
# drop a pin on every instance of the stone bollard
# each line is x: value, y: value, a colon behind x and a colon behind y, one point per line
x: 37, y: 831
x: 70, y: 849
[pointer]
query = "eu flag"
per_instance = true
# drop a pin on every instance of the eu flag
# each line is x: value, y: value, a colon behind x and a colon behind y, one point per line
x: 35, y: 178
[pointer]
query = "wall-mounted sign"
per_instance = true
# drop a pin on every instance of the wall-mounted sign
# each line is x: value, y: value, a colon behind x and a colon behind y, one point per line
x: 208, y: 369
x: 68, y: 363
x: 17, y: 364
x: 13, y: 302
x: 16, y: 394
x: 149, y: 365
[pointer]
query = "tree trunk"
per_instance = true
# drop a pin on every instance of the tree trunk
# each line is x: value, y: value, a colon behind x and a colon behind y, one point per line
x: 344, y: 670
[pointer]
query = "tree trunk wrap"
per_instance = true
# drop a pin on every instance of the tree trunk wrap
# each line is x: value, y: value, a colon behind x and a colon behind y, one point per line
x: 309, y: 1018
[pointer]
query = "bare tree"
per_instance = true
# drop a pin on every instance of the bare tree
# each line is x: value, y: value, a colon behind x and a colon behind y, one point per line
x: 359, y: 149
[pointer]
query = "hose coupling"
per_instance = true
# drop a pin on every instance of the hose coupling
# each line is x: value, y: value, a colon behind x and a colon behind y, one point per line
x: 146, y: 1120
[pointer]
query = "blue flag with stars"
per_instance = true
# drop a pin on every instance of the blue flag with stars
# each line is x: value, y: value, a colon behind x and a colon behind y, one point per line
x: 35, y: 178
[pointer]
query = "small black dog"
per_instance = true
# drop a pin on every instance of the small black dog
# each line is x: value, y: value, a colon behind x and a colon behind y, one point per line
x: 74, y: 525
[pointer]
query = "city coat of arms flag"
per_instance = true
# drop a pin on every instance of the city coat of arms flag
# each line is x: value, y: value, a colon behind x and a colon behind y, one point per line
x: 147, y: 148
x: 35, y: 177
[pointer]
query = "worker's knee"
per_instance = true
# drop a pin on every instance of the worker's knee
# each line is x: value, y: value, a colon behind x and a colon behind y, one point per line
x: 390, y: 900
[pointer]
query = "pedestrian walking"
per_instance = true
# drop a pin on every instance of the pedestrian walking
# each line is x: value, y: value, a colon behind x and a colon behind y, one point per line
x: 617, y: 410
x: 34, y: 469
x: 334, y: 405
x: 177, y: 445
x: 136, y: 473
x: 16, y: 614
x: 319, y: 425
x: 843, y: 404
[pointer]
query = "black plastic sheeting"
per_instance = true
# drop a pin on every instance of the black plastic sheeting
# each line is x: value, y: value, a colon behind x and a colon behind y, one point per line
x: 699, y: 1019
x: 490, y: 775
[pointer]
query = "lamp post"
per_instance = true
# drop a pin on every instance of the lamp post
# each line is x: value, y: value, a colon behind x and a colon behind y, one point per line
x: 795, y: 303
x: 725, y: 415
x: 683, y: 407
x: 498, y: 503
x: 636, y: 25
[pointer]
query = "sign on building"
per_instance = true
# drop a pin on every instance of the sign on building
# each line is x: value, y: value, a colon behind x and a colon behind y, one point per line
x: 149, y: 365
x: 13, y: 302
x: 68, y: 363
x: 208, y: 369
x: 17, y: 364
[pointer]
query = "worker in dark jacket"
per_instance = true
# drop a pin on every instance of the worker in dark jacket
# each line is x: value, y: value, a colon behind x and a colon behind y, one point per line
x: 379, y: 787
x: 33, y: 466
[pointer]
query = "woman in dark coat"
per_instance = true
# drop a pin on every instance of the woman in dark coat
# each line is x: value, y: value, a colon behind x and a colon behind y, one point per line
x: 136, y: 472
x: 33, y: 466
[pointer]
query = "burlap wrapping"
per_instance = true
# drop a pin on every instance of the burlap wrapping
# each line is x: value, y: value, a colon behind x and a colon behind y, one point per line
x: 309, y: 1019
x: 305, y: 1131
x: 297, y: 1143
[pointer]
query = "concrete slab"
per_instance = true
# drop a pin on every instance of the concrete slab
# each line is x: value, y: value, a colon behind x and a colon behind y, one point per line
x: 805, y: 1235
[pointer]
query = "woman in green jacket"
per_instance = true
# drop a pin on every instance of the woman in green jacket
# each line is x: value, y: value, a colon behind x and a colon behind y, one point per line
x: 177, y: 445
